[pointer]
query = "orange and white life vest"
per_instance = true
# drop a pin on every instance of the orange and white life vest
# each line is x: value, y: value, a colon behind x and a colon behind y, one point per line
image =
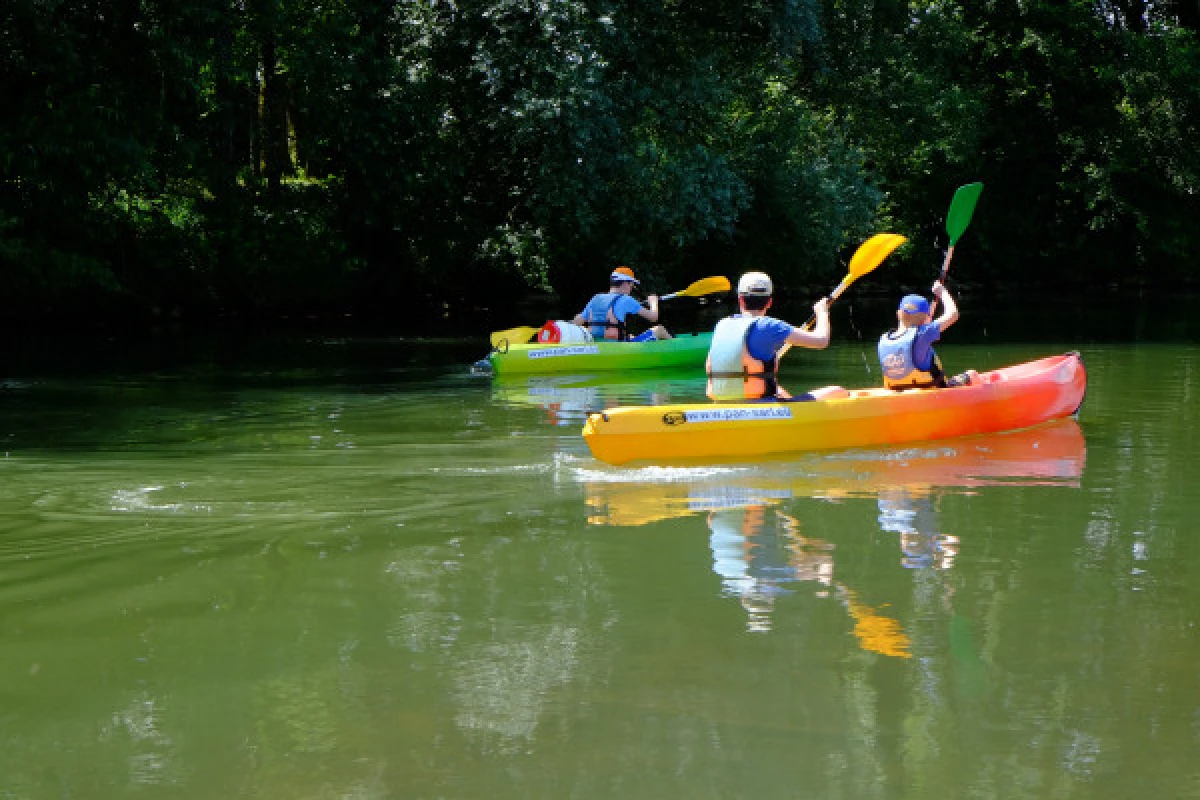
x: 733, y: 374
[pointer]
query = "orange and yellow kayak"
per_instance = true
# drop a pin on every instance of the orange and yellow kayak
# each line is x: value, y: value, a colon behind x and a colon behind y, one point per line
x: 1004, y: 399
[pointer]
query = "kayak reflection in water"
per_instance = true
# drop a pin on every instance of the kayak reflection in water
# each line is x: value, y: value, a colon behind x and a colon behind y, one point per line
x: 912, y: 513
x: 757, y: 550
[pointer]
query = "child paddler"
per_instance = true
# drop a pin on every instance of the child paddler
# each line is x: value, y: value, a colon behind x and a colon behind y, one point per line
x: 906, y: 354
x: 744, y: 355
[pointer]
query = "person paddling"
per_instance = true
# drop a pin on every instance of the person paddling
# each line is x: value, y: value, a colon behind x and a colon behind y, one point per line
x: 606, y: 313
x: 744, y: 355
x: 906, y: 354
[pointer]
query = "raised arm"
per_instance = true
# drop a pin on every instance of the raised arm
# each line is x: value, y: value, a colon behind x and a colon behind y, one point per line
x: 818, y: 337
x: 949, y: 307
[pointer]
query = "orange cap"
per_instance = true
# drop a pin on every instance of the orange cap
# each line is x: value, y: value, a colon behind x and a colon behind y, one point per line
x: 623, y: 274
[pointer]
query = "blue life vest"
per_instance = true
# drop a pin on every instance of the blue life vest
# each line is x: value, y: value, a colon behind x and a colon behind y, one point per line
x: 602, y: 322
x: 899, y: 367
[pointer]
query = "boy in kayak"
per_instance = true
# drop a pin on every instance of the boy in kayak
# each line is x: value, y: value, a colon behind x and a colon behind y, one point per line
x: 906, y: 354
x: 605, y: 314
x: 744, y: 354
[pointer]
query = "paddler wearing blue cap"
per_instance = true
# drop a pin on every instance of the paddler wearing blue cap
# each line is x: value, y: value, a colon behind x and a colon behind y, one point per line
x: 906, y: 354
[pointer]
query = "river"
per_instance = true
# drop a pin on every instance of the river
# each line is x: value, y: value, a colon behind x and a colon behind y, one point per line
x: 349, y: 568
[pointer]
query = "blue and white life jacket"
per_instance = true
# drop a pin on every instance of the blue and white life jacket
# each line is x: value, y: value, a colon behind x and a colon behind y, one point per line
x: 900, y: 368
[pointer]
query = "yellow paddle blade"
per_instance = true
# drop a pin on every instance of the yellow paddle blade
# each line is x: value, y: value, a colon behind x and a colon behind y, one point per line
x: 871, y: 254
x: 513, y: 335
x: 712, y: 285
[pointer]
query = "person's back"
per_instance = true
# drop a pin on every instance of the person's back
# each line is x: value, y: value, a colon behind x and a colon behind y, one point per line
x: 743, y: 356
x: 606, y: 313
x: 906, y: 354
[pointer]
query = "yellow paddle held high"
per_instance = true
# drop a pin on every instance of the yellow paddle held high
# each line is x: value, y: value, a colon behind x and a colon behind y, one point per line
x: 869, y: 255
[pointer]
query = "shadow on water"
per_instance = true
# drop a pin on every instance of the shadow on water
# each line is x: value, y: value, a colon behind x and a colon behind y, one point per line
x: 213, y: 392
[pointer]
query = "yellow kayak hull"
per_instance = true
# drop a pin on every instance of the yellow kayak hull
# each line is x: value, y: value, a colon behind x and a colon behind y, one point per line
x: 1004, y: 399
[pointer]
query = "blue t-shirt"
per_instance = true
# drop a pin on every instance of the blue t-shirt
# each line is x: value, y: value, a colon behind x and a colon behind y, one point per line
x: 922, y: 349
x: 766, y: 336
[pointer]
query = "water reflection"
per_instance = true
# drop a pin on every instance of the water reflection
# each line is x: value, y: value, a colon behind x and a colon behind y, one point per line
x: 568, y: 399
x: 759, y: 552
x: 911, y: 514
x: 1049, y: 455
x: 754, y: 513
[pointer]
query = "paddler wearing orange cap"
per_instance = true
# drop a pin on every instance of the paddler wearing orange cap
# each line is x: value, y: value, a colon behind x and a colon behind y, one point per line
x: 605, y: 314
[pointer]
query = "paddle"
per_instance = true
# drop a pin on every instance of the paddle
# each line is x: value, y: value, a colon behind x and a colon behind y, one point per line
x: 519, y: 335
x: 717, y: 283
x: 867, y: 257
x: 962, y: 206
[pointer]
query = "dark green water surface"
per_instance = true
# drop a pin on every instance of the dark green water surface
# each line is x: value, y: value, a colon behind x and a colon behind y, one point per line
x: 349, y: 569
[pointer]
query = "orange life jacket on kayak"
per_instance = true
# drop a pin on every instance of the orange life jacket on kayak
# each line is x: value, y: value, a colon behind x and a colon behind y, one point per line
x: 734, y: 374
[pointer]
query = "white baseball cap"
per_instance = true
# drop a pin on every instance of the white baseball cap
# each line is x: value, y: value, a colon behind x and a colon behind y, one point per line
x: 756, y: 283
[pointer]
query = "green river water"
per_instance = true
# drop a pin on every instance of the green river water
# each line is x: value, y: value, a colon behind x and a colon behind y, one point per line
x: 346, y: 568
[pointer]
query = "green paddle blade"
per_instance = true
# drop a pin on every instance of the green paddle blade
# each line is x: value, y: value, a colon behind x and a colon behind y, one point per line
x: 961, y: 209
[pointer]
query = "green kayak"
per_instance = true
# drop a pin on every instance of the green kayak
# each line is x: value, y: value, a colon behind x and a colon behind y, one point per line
x: 685, y: 350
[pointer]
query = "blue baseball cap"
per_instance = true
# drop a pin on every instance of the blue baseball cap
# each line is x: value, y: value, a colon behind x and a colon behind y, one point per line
x: 914, y: 304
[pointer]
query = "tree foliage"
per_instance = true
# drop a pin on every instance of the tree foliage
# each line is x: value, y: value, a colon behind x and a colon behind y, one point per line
x: 261, y: 156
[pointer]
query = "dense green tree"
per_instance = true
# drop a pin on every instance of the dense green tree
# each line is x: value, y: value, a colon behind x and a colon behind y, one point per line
x: 268, y: 157
x: 1077, y: 116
